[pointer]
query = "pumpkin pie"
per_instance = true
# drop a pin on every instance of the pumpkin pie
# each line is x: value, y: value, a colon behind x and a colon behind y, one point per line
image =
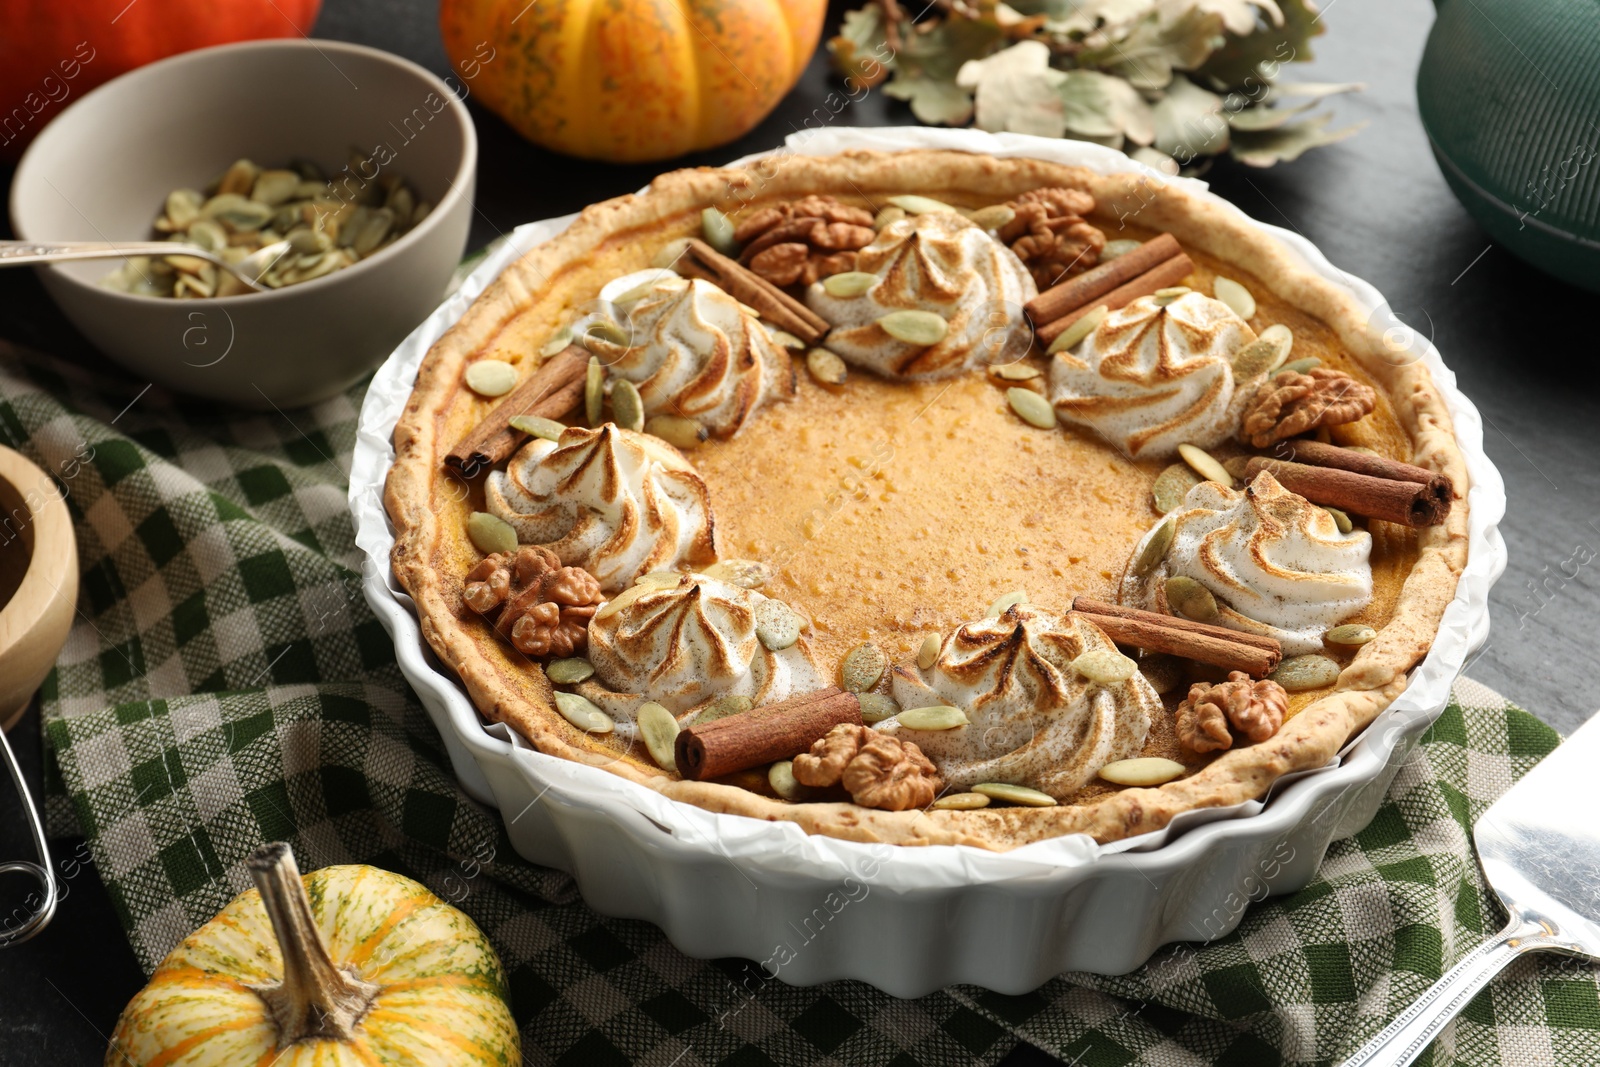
x: 928, y: 498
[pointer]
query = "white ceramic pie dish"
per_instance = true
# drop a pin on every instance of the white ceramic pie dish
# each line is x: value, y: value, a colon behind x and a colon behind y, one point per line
x: 912, y: 920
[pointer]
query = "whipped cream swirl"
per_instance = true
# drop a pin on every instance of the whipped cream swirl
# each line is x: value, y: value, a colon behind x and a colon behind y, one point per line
x: 685, y: 644
x: 1034, y: 720
x: 695, y: 352
x: 939, y: 262
x: 1152, y: 377
x: 616, y: 503
x: 1275, y: 562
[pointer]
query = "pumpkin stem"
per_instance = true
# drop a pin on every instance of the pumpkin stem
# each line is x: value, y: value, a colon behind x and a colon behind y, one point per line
x: 316, y: 999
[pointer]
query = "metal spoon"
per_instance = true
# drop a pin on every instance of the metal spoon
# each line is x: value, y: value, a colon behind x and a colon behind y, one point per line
x: 248, y: 270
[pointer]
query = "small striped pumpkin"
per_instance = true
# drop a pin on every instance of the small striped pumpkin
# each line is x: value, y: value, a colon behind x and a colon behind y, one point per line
x: 349, y: 965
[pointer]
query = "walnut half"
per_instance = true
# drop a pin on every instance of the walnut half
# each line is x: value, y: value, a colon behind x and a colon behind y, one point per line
x: 543, y: 607
x: 880, y: 771
x: 1292, y: 404
x: 1253, y: 709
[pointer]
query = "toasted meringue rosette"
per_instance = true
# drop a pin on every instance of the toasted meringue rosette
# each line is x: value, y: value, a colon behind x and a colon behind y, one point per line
x: 942, y: 263
x: 616, y: 503
x: 687, y: 644
x: 694, y: 351
x: 1034, y: 720
x: 1275, y: 562
x: 1153, y: 376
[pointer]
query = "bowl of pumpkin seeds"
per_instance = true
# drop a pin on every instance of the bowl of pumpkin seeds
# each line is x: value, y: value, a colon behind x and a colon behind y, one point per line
x: 338, y: 177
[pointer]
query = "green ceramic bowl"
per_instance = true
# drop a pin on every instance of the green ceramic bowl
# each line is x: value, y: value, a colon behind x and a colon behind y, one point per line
x: 1509, y: 93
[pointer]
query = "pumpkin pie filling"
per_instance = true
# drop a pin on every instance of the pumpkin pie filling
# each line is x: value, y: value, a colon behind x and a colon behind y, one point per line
x: 882, y: 511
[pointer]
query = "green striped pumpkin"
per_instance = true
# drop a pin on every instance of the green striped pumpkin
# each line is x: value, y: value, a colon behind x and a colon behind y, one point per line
x: 349, y: 965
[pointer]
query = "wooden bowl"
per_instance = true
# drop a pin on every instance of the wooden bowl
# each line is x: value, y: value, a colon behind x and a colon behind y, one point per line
x: 38, y: 580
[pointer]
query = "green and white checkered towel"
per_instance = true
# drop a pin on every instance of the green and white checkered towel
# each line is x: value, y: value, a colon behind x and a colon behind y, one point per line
x: 226, y: 685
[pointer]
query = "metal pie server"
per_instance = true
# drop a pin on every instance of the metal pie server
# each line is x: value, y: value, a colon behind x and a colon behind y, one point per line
x: 1540, y: 850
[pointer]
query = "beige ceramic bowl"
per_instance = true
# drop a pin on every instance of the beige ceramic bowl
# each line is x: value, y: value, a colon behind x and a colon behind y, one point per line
x: 38, y: 580
x: 103, y: 168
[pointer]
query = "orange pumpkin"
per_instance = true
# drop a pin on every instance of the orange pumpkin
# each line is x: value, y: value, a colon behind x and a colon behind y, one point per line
x: 54, y: 51
x: 630, y: 80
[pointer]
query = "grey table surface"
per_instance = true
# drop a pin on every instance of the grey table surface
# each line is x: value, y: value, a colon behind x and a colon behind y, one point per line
x: 1522, y: 345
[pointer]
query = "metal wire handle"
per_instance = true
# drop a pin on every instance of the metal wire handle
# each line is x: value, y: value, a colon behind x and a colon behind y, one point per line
x: 42, y: 871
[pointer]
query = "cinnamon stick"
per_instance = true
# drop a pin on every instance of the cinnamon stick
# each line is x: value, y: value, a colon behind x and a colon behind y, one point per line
x: 1319, y: 454
x: 700, y: 260
x: 1230, y: 649
x: 762, y: 735
x: 1075, y: 293
x: 1404, y: 502
x: 551, y: 391
x: 1166, y: 273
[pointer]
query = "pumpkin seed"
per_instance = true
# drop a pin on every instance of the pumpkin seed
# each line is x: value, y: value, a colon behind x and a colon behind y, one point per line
x: 1299, y: 366
x: 913, y: 204
x: 627, y: 408
x: 1113, y: 249
x: 1031, y: 407
x: 961, y: 802
x: 863, y: 667
x: 1235, y: 296
x: 722, y: 707
x: 1350, y: 634
x: 1155, y: 548
x: 659, y: 730
x: 1144, y: 771
x: 372, y: 231
x: 887, y: 215
x: 305, y: 239
x: 994, y: 216
x: 491, y: 377
x: 786, y: 339
x: 557, y: 342
x: 676, y: 430
x: 1190, y: 599
x: 599, y: 333
x: 776, y: 626
x: 569, y: 671
x: 1074, y: 334
x: 1299, y: 673
x: 1164, y: 673
x: 490, y: 533
x: 928, y: 654
x: 238, y: 178
x: 1260, y: 356
x: 183, y: 207
x: 745, y: 573
x: 1163, y: 297
x: 850, y: 283
x: 1016, y: 372
x: 237, y: 213
x: 1278, y: 334
x: 718, y: 231
x: 1205, y: 465
x: 936, y: 717
x: 583, y: 714
x: 1341, y: 520
x: 1006, y: 603
x: 1015, y: 794
x: 594, y: 383
x: 1105, y: 666
x: 826, y: 367
x: 670, y: 253
x: 1172, y: 485
x: 208, y: 235
x: 274, y: 186
x: 914, y: 327
x: 542, y: 428
x: 876, y: 707
x: 780, y: 776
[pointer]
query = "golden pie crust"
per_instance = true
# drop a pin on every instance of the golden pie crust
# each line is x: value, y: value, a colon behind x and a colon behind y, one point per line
x: 427, y: 503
